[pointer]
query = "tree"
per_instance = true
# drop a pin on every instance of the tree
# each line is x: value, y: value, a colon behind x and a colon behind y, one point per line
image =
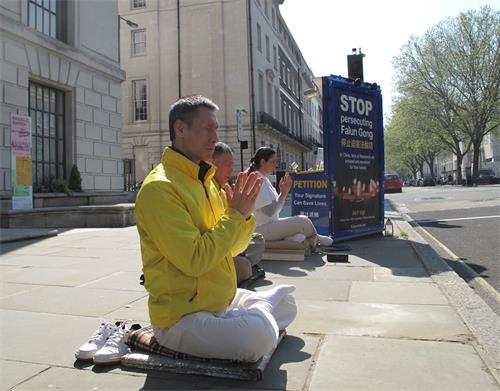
x: 411, y: 138
x: 454, y: 70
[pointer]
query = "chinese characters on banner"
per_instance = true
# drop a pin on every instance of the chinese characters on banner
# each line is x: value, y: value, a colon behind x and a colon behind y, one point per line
x: 21, y: 168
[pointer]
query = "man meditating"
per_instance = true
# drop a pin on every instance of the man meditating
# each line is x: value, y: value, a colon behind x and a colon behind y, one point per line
x: 188, y: 239
x: 246, y: 263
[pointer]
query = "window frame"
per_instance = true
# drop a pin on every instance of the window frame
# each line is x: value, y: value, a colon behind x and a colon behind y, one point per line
x: 259, y: 38
x: 36, y: 9
x: 134, y: 101
x: 134, y: 7
x: 51, y: 135
x: 133, y: 48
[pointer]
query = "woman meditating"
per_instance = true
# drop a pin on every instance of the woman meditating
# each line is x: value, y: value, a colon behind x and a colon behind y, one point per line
x: 269, y: 204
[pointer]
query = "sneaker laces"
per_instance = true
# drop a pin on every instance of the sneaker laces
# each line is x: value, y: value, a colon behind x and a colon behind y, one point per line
x: 98, y: 334
x: 115, y: 338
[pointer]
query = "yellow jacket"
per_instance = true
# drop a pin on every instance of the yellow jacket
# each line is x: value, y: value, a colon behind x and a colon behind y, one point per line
x: 188, y: 239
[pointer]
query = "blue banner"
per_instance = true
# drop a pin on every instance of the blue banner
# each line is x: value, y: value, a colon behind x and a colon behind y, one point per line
x: 310, y: 198
x: 354, y: 156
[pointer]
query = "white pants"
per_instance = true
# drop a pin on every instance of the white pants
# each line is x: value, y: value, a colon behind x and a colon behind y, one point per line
x: 244, y: 331
x: 287, y: 226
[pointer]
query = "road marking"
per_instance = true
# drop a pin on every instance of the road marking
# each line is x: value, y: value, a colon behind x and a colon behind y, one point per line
x: 464, y: 218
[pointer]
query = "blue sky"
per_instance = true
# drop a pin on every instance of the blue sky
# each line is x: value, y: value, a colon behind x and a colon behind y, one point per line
x: 327, y: 30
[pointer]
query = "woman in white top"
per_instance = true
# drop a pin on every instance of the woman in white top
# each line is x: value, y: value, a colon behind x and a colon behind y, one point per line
x: 269, y: 204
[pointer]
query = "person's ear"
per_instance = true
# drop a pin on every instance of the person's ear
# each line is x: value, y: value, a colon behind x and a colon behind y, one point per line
x: 179, y: 127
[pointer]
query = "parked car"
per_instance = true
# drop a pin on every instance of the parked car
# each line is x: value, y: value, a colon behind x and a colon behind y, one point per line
x: 486, y: 176
x: 392, y: 183
x: 428, y: 181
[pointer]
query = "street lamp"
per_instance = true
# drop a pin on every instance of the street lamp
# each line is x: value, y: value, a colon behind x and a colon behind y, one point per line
x: 239, y: 132
x: 131, y: 25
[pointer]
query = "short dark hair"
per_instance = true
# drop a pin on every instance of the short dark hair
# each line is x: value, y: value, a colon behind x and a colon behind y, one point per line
x: 220, y: 149
x: 265, y: 153
x: 186, y: 108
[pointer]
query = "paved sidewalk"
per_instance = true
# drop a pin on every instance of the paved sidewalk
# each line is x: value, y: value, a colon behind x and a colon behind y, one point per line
x: 379, y: 322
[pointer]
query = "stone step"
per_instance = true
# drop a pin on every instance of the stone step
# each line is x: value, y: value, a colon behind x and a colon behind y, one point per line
x: 111, y: 216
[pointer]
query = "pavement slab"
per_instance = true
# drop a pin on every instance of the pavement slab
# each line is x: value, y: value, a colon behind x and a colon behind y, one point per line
x: 41, y: 338
x: 332, y: 272
x: 15, y: 372
x: 53, y: 276
x: 121, y: 281
x: 417, y: 274
x: 363, y: 363
x: 314, y: 289
x: 8, y: 289
x: 71, y: 301
x: 137, y: 311
x: 74, y: 379
x: 49, y: 261
x: 434, y: 322
x: 396, y: 293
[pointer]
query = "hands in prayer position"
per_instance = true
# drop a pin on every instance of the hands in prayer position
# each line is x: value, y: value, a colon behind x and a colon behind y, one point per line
x: 244, y: 192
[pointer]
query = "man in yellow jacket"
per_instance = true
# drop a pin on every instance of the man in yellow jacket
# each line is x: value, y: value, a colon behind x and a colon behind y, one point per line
x: 188, y: 239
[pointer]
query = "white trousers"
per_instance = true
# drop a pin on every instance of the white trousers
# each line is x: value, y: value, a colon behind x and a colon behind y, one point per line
x: 245, y: 331
x: 287, y: 226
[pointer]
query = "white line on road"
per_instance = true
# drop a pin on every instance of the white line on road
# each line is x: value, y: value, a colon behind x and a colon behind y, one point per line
x: 467, y: 218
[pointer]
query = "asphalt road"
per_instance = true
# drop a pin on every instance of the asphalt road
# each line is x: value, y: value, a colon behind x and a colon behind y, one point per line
x: 465, y: 220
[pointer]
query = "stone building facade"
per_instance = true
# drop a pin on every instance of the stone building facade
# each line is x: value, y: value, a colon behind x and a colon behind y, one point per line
x: 59, y: 64
x: 240, y: 54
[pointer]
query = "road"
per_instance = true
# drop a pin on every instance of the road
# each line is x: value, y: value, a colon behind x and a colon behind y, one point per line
x: 466, y: 220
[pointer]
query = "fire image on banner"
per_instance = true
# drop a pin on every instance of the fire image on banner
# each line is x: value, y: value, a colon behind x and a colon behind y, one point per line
x: 21, y: 168
x: 355, y: 158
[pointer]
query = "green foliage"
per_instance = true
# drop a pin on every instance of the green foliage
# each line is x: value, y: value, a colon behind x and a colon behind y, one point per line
x: 75, y: 180
x: 404, y: 235
x: 450, y: 76
x: 53, y: 185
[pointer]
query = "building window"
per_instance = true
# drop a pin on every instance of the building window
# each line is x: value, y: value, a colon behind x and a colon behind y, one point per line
x: 138, y: 3
x: 266, y: 8
x: 42, y: 16
x: 140, y: 99
x: 269, y: 99
x: 274, y: 17
x: 261, y: 92
x: 268, y: 50
x: 276, y: 103
x: 275, y: 58
x: 138, y: 42
x: 259, y: 38
x: 46, y: 109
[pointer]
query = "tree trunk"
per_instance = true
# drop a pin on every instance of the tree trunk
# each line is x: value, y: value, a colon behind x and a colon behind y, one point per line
x: 476, y: 150
x: 431, y: 167
x: 459, y: 168
x: 421, y: 169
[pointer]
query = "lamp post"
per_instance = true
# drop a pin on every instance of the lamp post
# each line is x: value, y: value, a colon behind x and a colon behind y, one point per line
x: 130, y: 24
x: 239, y: 132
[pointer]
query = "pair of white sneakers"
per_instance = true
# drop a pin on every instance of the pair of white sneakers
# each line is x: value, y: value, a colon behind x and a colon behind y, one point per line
x: 108, y: 344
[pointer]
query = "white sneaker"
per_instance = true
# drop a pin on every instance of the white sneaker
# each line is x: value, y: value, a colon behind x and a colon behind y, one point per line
x: 96, y: 341
x: 298, y: 237
x: 116, y: 345
x: 325, y: 241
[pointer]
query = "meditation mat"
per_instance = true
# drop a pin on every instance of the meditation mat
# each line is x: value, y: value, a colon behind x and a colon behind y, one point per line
x: 147, y: 353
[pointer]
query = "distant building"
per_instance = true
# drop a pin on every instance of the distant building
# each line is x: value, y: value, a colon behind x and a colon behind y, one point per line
x: 489, y: 158
x: 240, y: 54
x: 59, y: 65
